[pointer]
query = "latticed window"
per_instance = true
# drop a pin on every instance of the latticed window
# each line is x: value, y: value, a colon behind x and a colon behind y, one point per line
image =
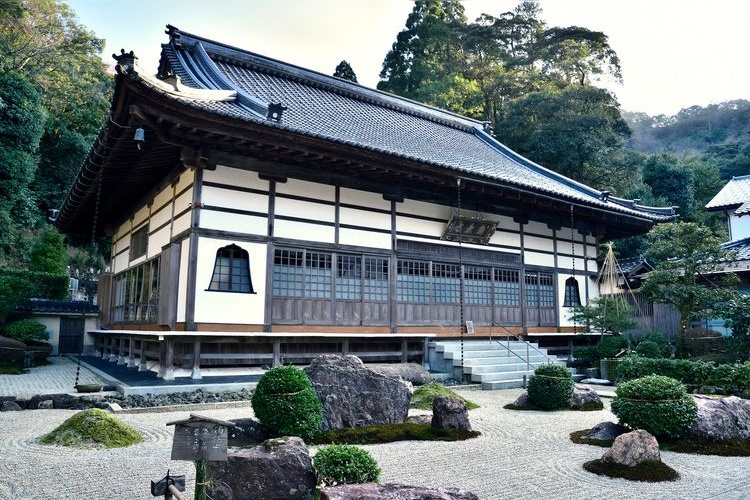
x: 137, y: 293
x: 231, y: 271
x: 376, y: 279
x: 446, y: 283
x: 478, y: 285
x: 572, y: 295
x: 139, y: 242
x: 413, y: 281
x: 349, y: 277
x: 287, y: 273
x: 540, y: 289
x: 318, y: 280
x: 507, y: 287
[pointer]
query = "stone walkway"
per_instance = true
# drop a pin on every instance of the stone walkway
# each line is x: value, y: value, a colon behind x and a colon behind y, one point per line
x: 520, y: 455
x: 57, y: 377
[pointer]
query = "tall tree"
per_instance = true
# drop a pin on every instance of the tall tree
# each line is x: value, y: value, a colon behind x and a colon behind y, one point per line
x: 686, y: 258
x: 21, y: 126
x: 578, y: 132
x: 427, y: 53
x: 670, y: 179
x: 344, y: 70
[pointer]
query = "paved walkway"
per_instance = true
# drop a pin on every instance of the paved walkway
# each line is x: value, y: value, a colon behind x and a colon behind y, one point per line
x: 520, y: 455
x: 59, y: 376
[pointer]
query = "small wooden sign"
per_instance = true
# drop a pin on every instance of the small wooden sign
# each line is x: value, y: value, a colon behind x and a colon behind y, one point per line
x: 200, y: 438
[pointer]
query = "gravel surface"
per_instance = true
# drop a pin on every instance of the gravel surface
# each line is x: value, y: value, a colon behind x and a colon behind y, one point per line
x: 520, y: 455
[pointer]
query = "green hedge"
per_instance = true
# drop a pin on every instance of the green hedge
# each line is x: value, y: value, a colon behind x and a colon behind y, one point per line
x: 41, y: 285
x: 734, y: 378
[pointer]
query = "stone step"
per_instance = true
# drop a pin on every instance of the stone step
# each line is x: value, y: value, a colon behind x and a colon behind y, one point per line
x: 503, y: 359
x: 502, y: 384
x: 508, y: 367
x: 503, y: 375
x: 444, y: 347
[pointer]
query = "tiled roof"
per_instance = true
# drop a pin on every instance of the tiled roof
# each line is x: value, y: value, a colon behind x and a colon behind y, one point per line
x: 329, y: 108
x: 736, y: 193
x: 629, y: 266
x: 740, y: 247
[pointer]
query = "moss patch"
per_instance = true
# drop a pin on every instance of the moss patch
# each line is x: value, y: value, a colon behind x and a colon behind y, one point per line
x: 730, y: 448
x: 532, y: 407
x: 652, y: 471
x: 589, y: 406
x: 388, y: 433
x: 11, y: 369
x: 423, y: 396
x: 93, y: 428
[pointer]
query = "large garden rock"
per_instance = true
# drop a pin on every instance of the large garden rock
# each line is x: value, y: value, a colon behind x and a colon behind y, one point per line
x: 411, y: 372
x: 352, y: 395
x: 721, y: 419
x: 584, y: 398
x: 10, y: 406
x: 522, y: 401
x: 247, y: 432
x: 633, y: 448
x: 393, y: 491
x: 449, y: 413
x: 606, y: 431
x: 279, y: 468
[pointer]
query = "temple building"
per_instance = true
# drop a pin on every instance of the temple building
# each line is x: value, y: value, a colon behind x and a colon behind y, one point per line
x: 260, y: 212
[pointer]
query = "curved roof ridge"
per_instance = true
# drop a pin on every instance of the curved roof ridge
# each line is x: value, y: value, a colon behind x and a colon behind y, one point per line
x: 328, y: 82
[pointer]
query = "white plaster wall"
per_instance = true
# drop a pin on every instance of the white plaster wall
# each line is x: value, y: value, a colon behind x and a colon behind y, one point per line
x: 537, y: 243
x: 363, y: 199
x: 565, y: 262
x: 234, y: 199
x: 504, y: 238
x: 141, y: 216
x: 181, y: 224
x: 228, y: 307
x: 419, y: 226
x: 157, y: 241
x: 305, y: 209
x: 235, y: 177
x: 538, y: 259
x: 234, y: 222
x: 304, y: 231
x: 120, y: 262
x: 364, y: 238
x: 311, y: 190
x: 365, y: 218
x: 537, y: 228
x: 739, y: 227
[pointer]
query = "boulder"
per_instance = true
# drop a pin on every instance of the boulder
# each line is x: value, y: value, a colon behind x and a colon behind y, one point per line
x: 419, y: 419
x: 352, y: 395
x: 393, y: 491
x: 720, y: 419
x: 449, y: 413
x: 522, y: 401
x: 45, y: 404
x: 279, y: 468
x: 410, y: 372
x: 10, y: 406
x: 248, y: 432
x: 606, y: 431
x: 633, y: 448
x: 584, y: 398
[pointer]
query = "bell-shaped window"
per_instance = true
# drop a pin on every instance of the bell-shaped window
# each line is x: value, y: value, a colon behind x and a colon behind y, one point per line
x: 231, y: 271
x: 572, y: 296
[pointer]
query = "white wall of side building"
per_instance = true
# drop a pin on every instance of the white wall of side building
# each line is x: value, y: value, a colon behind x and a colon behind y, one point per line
x: 229, y: 307
x: 739, y: 227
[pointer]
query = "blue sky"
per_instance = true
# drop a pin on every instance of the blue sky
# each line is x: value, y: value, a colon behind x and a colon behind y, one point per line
x: 674, y: 53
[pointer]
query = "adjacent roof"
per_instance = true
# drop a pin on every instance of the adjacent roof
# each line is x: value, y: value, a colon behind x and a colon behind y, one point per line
x: 217, y: 80
x: 735, y: 194
x: 740, y: 247
x: 634, y: 266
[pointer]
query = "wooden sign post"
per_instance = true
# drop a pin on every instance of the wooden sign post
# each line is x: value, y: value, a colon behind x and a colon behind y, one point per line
x: 200, y: 439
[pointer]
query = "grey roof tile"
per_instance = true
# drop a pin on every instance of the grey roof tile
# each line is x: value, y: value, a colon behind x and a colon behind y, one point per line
x: 736, y: 192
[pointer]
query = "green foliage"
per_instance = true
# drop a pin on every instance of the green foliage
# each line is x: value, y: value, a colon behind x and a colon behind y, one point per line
x: 11, y: 368
x: 93, y: 428
x: 286, y: 403
x: 344, y: 70
x: 26, y: 329
x: 16, y: 285
x: 683, y: 252
x: 550, y: 387
x: 606, y: 314
x: 49, y: 254
x: 389, y: 433
x: 672, y: 181
x: 736, y: 312
x: 609, y: 347
x: 659, y: 339
x: 648, y: 349
x: 423, y: 395
x: 655, y: 403
x: 345, y: 464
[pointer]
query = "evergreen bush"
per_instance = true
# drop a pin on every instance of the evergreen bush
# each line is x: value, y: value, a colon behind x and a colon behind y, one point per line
x: 661, y: 340
x: 550, y: 387
x: 26, y: 330
x: 345, y: 464
x: 657, y: 404
x: 608, y: 347
x: 286, y: 403
x: 648, y: 349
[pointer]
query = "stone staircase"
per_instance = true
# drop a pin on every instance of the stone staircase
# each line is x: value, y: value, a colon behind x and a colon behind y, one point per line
x: 493, y: 364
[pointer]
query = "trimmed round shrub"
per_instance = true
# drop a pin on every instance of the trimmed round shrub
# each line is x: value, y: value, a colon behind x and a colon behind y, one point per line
x: 661, y: 340
x: 655, y: 403
x: 26, y: 329
x: 550, y: 387
x: 608, y: 347
x: 648, y: 349
x: 286, y: 403
x: 345, y: 464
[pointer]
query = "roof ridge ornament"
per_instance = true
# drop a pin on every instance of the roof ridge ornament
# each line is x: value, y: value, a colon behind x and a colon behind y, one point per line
x: 174, y: 35
x: 275, y: 110
x: 125, y: 61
